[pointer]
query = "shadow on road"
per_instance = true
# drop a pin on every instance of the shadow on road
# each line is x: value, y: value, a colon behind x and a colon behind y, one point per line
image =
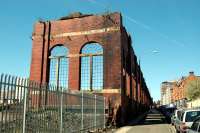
x: 153, y: 117
x: 151, y: 122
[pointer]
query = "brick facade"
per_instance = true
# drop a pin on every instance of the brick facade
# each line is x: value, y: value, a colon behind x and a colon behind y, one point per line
x: 123, y: 80
x: 179, y: 89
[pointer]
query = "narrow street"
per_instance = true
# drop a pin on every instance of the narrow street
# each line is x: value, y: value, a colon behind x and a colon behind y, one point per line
x: 154, y: 122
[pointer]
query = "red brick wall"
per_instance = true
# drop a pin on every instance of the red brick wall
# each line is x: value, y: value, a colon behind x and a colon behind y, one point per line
x: 111, y: 42
x: 179, y: 90
x: 121, y: 70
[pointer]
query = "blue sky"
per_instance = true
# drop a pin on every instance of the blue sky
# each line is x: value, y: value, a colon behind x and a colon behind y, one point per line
x: 171, y: 27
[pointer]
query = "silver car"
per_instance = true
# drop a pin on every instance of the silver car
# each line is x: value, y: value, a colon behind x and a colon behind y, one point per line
x: 185, y: 119
x: 195, y: 128
x: 175, y: 115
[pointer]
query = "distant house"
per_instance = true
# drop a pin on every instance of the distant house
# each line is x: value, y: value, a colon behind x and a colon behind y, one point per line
x: 179, y: 90
x: 194, y: 103
x: 7, y: 97
x: 11, y: 94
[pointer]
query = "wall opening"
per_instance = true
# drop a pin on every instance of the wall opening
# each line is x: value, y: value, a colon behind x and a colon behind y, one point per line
x: 59, y: 66
x: 91, y: 67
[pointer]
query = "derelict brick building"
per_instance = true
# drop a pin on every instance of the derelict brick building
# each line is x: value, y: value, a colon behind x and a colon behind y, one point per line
x: 97, y: 56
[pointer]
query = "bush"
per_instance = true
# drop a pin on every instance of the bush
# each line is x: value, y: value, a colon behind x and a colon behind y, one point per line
x: 193, y: 89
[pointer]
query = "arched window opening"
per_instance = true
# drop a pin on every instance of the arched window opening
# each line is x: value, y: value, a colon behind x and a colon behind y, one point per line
x: 59, y: 65
x: 91, y: 67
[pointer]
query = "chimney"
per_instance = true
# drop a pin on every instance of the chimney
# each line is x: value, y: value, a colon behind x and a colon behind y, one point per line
x: 191, y: 73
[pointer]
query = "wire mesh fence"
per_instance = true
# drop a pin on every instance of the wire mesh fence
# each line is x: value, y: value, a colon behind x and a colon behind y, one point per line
x: 29, y: 107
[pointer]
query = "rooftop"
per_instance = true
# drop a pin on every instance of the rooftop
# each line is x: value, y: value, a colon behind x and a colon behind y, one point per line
x: 81, y: 15
x: 75, y: 15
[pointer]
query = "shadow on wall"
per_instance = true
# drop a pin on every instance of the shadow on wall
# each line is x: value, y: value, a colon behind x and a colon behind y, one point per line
x: 123, y: 114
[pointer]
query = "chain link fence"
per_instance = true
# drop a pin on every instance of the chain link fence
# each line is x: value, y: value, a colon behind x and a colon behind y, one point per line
x: 29, y: 107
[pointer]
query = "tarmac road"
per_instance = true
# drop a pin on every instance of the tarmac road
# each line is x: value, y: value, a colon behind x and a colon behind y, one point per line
x: 154, y: 122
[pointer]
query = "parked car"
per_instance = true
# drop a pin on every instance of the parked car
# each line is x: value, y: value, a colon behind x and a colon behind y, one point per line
x: 195, y: 128
x: 185, y: 119
x: 175, y: 115
x: 167, y: 111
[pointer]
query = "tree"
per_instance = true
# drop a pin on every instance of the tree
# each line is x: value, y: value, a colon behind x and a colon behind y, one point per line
x: 193, y: 89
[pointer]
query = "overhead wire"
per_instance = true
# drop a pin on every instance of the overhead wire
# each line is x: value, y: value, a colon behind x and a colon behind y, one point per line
x: 144, y: 26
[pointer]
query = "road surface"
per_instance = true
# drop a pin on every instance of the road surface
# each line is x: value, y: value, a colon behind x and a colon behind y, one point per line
x: 154, y: 122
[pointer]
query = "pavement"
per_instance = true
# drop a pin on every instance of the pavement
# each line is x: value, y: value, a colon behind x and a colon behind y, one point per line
x: 154, y: 122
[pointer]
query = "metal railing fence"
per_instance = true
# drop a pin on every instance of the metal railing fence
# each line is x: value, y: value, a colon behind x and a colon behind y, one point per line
x: 29, y: 107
